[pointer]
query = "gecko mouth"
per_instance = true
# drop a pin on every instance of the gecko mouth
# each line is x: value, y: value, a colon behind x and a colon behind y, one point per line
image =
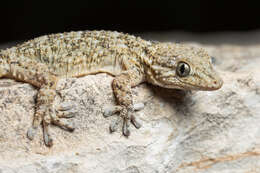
x: 215, y: 85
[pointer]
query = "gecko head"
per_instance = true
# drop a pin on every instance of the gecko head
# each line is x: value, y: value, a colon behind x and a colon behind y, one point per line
x: 181, y: 67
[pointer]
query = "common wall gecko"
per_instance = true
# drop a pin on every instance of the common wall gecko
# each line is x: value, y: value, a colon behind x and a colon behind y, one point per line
x: 43, y: 61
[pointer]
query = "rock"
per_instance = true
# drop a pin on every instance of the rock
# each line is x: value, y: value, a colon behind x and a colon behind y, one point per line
x: 194, y: 132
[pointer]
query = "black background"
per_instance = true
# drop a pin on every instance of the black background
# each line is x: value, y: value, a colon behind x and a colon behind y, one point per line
x: 22, y: 20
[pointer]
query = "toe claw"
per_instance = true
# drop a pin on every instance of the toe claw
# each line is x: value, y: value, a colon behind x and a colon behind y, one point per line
x: 71, y: 127
x: 48, y: 141
x: 113, y: 126
x: 135, y: 122
x: 31, y: 133
x: 126, y: 131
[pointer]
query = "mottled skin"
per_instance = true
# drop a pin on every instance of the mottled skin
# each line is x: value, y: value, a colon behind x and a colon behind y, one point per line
x: 45, y: 60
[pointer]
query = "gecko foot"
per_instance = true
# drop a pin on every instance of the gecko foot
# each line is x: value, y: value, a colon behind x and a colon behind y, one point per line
x: 125, y: 114
x: 52, y: 116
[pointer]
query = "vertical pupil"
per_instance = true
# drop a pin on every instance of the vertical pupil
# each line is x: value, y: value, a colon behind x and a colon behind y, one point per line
x: 182, y: 68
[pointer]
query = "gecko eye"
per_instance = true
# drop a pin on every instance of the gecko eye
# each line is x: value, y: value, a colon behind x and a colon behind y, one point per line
x: 183, y: 69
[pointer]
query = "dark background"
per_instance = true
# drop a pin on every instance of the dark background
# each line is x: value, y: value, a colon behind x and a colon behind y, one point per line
x: 22, y: 20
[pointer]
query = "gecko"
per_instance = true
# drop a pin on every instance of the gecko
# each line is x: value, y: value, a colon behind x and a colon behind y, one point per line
x: 131, y: 60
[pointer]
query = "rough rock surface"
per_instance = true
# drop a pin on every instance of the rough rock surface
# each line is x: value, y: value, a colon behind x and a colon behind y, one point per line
x: 195, y: 132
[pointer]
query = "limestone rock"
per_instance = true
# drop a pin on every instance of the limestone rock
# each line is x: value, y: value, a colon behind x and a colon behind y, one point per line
x: 195, y: 132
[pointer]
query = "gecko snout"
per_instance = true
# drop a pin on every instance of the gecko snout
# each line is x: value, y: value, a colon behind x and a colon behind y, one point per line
x: 216, y: 84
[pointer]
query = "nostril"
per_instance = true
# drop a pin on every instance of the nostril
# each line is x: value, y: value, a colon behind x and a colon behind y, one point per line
x: 215, y: 82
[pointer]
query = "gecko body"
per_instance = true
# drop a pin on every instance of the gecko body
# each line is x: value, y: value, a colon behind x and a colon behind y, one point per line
x: 45, y: 60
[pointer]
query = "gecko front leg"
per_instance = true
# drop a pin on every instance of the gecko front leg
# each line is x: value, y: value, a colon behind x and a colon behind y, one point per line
x: 122, y: 85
